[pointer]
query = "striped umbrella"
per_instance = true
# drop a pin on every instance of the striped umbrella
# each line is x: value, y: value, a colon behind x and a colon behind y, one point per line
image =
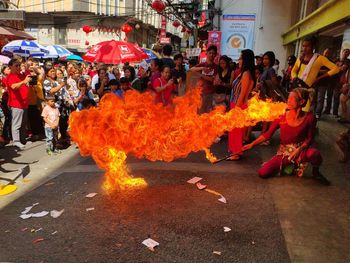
x: 151, y: 54
x: 24, y: 48
x: 57, y: 51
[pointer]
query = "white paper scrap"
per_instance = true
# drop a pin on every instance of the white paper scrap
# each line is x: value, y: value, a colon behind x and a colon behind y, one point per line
x: 55, y: 213
x: 54, y: 233
x: 217, y: 252
x: 222, y: 199
x: 90, y: 209
x: 26, y: 216
x: 91, y: 195
x: 28, y: 208
x: 227, y: 229
x: 194, y: 180
x: 201, y: 186
x: 40, y: 214
x: 150, y: 243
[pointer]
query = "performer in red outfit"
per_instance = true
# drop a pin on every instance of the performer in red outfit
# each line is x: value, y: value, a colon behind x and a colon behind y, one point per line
x: 297, y: 130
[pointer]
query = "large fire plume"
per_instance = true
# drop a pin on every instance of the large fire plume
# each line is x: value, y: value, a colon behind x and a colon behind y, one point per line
x: 136, y: 125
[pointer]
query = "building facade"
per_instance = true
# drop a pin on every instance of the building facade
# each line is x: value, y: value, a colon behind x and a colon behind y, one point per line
x: 328, y: 21
x: 61, y: 22
x: 271, y: 18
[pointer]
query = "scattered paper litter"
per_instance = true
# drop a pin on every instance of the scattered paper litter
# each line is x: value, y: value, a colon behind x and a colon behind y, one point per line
x: 201, y: 186
x: 55, y: 213
x: 90, y: 208
x: 40, y: 214
x: 54, y: 233
x: 222, y: 199
x: 28, y: 208
x: 24, y: 229
x: 50, y: 183
x: 38, y: 240
x: 25, y: 216
x: 39, y: 229
x: 150, y: 243
x: 217, y: 252
x: 227, y: 229
x: 194, y: 180
x: 91, y: 195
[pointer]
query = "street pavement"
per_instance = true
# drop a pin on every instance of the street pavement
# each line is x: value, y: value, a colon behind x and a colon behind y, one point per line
x: 282, y: 219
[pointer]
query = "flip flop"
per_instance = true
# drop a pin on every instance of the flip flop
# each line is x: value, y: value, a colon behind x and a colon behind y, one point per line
x: 7, y: 189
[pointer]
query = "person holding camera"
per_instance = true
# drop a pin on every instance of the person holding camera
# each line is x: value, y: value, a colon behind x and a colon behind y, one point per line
x: 57, y: 88
x: 36, y: 96
x: 17, y: 87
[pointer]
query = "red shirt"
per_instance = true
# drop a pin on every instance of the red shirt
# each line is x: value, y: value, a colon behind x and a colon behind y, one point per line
x: 305, y: 132
x: 165, y: 95
x: 18, y: 98
x: 210, y: 70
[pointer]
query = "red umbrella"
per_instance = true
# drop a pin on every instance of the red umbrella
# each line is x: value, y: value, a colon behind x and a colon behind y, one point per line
x: 115, y: 52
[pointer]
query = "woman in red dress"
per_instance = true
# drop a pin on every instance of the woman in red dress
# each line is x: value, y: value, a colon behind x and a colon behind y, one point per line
x: 241, y: 88
x: 297, y: 130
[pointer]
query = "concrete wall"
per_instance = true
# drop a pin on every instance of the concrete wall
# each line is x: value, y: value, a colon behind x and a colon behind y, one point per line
x: 273, y: 17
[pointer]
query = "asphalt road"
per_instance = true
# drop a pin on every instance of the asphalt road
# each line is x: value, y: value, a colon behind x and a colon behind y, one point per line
x: 283, y: 219
x: 187, y: 222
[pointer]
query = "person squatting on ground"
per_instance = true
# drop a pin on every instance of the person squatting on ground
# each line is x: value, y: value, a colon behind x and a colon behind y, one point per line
x: 51, y: 116
x: 297, y: 131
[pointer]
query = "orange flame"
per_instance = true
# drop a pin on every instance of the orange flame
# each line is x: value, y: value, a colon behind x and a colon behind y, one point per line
x: 136, y: 125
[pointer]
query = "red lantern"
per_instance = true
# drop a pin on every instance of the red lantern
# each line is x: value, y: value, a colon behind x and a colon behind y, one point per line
x: 176, y: 23
x: 158, y: 5
x: 87, y: 29
x: 189, y: 31
x: 87, y: 43
x: 183, y: 30
x: 126, y: 28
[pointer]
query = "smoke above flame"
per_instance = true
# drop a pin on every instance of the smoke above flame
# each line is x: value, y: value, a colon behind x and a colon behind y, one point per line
x: 136, y: 125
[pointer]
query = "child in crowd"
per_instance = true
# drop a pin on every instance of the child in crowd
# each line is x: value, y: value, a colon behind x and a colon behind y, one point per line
x: 125, y: 84
x: 115, y: 88
x: 83, y: 94
x: 51, y: 116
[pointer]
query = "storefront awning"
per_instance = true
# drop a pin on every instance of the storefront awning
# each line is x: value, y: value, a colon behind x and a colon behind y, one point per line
x: 328, y: 14
x: 14, y: 34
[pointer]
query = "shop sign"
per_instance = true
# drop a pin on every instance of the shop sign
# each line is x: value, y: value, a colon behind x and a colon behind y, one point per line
x: 237, y: 34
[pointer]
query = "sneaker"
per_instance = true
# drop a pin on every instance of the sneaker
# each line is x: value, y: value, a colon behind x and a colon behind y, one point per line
x: 49, y: 152
x: 19, y: 145
x: 318, y: 116
x: 56, y: 151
